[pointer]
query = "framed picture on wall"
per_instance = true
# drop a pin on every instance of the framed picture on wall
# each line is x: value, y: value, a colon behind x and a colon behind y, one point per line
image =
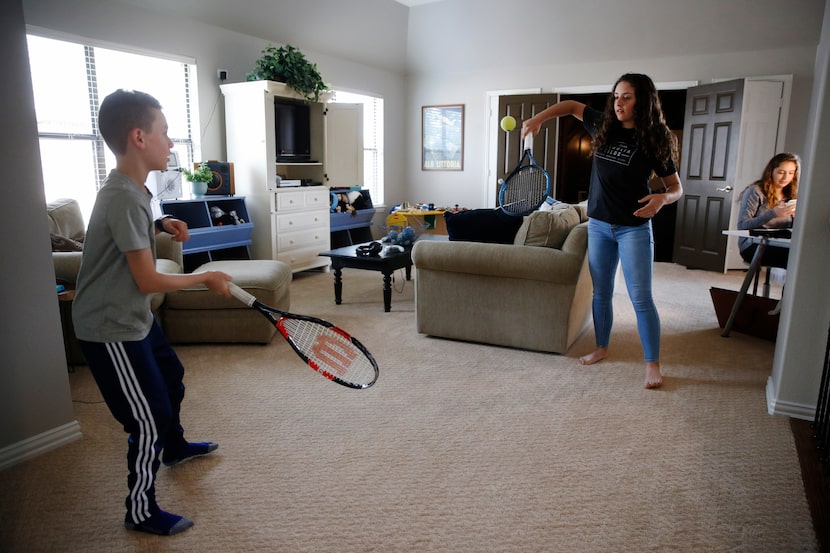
x: 442, y: 138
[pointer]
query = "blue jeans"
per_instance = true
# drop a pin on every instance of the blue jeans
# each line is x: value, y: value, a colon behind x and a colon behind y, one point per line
x: 608, y: 245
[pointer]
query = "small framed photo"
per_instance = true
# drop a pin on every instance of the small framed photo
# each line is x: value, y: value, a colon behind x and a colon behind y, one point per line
x: 442, y: 138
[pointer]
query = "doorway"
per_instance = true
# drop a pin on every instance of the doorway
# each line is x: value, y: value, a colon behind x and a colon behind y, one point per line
x: 574, y: 155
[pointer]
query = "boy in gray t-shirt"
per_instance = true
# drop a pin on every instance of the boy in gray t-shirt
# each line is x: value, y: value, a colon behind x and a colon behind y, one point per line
x: 138, y: 373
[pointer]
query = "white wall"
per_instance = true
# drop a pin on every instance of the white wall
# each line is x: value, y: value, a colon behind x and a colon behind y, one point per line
x: 802, y: 334
x: 35, y: 404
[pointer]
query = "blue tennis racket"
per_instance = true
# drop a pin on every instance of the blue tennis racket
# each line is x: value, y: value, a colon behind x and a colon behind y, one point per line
x: 524, y: 190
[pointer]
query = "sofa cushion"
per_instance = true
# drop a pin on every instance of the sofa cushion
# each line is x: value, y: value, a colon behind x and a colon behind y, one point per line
x: 267, y: 280
x: 64, y: 244
x: 548, y: 228
x: 482, y: 225
x: 65, y: 219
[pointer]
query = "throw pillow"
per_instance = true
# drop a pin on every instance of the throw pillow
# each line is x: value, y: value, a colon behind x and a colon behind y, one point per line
x: 548, y: 228
x: 482, y: 225
x: 63, y: 244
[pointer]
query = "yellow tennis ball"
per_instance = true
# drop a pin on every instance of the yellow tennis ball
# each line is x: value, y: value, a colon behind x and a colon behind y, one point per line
x: 508, y: 123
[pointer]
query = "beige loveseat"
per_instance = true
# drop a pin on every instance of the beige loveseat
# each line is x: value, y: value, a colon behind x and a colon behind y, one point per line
x: 534, y: 294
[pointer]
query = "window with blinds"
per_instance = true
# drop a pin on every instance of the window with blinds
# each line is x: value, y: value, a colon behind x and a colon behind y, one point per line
x: 70, y: 79
x: 372, y: 141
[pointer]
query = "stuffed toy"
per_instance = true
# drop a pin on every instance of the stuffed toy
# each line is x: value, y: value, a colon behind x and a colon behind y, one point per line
x: 358, y: 200
x: 351, y: 202
x: 220, y: 217
x: 405, y: 237
x: 237, y: 220
x: 343, y: 205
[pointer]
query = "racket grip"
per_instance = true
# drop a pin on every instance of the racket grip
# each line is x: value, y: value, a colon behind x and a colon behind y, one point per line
x: 529, y: 141
x: 241, y: 294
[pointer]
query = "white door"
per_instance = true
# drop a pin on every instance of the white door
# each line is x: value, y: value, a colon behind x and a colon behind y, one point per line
x: 760, y: 134
x: 344, y: 145
x: 731, y: 130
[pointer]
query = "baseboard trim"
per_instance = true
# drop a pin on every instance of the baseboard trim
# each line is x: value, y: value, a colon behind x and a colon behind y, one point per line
x: 39, y: 444
x: 794, y: 410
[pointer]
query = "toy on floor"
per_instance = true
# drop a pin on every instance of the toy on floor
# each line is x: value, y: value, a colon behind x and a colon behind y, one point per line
x: 405, y: 237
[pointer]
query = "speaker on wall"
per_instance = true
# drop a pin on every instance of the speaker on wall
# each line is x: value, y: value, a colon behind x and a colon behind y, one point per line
x: 222, y: 184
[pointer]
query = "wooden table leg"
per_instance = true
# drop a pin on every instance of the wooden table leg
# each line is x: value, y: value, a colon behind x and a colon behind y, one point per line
x: 338, y: 285
x: 754, y: 267
x: 387, y: 291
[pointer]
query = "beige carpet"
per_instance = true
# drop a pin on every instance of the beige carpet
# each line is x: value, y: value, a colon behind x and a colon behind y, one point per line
x: 458, y: 447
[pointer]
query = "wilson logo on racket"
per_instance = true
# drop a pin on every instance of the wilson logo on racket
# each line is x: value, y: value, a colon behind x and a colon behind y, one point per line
x: 319, y: 342
x: 330, y: 351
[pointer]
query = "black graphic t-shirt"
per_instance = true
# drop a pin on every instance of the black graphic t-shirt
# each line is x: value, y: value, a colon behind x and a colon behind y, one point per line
x: 619, y: 174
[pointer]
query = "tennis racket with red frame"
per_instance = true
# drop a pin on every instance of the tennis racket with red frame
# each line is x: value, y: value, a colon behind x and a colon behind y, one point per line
x: 328, y: 349
x: 527, y: 186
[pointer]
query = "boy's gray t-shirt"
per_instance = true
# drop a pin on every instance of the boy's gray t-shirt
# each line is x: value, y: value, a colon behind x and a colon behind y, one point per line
x: 108, y: 305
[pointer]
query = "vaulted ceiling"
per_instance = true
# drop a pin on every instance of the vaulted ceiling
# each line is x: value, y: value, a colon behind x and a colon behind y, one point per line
x: 435, y: 36
x: 371, y: 32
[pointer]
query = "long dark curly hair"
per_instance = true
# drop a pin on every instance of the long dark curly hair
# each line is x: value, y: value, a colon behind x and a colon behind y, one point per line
x: 652, y: 132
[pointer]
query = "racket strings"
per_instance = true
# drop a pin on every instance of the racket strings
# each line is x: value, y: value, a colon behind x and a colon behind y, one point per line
x: 329, y: 352
x: 525, y: 190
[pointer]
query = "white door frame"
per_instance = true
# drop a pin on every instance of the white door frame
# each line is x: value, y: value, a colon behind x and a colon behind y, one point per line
x: 492, y: 139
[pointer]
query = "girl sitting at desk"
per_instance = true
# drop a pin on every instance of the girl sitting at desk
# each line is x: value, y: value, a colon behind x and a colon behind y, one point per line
x: 770, y: 203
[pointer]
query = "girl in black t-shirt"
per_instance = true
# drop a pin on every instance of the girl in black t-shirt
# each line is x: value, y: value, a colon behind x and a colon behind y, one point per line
x: 631, y: 141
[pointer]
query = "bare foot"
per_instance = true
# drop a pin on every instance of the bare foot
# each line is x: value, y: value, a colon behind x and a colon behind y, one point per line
x: 653, y: 377
x: 594, y: 357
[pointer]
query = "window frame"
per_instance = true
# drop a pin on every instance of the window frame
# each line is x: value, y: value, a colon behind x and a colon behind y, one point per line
x: 101, y: 157
x: 372, y: 117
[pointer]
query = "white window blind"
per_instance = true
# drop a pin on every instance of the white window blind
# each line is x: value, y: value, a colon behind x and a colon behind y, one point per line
x: 70, y: 79
x: 372, y: 141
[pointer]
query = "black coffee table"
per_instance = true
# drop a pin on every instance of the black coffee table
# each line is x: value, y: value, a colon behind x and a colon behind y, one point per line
x: 387, y: 263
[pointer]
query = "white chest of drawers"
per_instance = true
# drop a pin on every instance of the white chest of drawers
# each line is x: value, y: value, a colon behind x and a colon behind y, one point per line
x: 300, y: 226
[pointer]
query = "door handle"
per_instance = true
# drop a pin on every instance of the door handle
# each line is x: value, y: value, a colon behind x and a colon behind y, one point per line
x: 726, y: 188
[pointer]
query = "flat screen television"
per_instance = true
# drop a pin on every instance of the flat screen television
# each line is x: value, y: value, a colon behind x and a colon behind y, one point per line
x: 293, y: 130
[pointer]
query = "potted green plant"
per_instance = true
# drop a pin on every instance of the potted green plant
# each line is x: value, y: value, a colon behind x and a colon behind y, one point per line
x: 287, y: 64
x: 199, y: 178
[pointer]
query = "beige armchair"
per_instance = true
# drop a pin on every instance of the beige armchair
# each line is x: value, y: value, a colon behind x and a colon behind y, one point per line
x: 534, y: 294
x: 66, y: 221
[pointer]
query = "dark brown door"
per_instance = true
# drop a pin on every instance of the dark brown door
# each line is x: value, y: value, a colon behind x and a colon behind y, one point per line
x: 510, y: 143
x: 707, y: 170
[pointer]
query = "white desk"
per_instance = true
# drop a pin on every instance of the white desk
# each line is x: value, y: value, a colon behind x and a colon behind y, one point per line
x: 754, y: 267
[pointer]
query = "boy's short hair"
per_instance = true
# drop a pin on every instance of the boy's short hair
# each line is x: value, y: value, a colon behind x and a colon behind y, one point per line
x: 123, y: 111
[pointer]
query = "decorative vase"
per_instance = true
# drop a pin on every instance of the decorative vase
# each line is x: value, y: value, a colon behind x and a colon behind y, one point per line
x: 199, y: 188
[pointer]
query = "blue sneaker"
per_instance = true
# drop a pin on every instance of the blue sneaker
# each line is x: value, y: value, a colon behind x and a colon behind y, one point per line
x: 162, y: 524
